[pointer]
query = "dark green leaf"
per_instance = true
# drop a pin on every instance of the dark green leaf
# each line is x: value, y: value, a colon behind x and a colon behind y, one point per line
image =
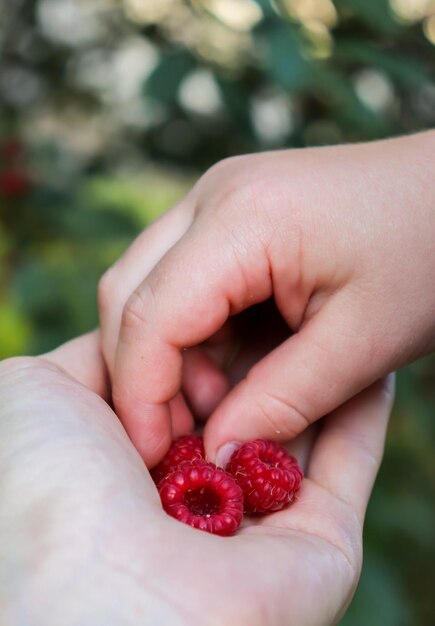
x: 283, y: 58
x: 164, y: 81
x: 406, y: 71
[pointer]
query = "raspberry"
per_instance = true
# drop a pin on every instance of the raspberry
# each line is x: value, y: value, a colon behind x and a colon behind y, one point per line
x: 203, y: 496
x: 186, y: 448
x: 268, y: 475
x: 13, y: 183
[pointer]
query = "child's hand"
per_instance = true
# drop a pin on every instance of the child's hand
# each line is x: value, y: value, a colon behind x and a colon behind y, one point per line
x: 342, y: 238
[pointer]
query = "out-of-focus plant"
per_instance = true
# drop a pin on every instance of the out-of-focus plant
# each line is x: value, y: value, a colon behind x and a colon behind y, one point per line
x: 110, y: 108
x: 199, y: 80
x: 59, y: 230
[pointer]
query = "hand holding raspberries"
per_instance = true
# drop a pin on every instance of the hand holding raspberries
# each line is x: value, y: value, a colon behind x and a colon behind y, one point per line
x: 261, y: 477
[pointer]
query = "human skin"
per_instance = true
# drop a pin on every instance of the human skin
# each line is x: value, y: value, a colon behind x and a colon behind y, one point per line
x: 341, y: 239
x: 84, y: 540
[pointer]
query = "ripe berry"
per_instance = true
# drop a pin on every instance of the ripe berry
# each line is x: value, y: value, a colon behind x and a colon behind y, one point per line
x: 13, y: 183
x: 268, y: 475
x: 203, y: 496
x: 186, y: 448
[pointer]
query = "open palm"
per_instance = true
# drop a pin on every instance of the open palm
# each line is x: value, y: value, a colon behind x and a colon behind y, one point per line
x: 84, y: 541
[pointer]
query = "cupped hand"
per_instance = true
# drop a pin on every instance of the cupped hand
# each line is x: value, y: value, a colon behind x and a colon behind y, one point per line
x: 83, y: 538
x: 341, y: 238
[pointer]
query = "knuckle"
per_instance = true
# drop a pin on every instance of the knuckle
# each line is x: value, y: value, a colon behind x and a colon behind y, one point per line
x: 237, y: 201
x: 133, y: 312
x: 284, y: 417
x: 223, y: 168
x: 106, y: 288
x: 137, y: 309
x: 226, y: 183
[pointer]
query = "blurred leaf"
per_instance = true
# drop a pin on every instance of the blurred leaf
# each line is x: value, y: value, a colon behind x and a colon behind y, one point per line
x: 164, y: 81
x: 14, y: 331
x: 283, y: 56
x: 60, y: 298
x: 405, y: 71
x: 379, y: 600
x: 237, y: 101
x: 144, y: 198
x: 37, y: 289
x: 405, y: 514
x: 339, y: 95
x: 374, y: 13
x: 266, y: 6
x: 93, y: 226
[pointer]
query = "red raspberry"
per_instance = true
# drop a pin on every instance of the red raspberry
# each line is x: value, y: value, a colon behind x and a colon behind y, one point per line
x: 186, y: 448
x: 13, y: 183
x: 203, y: 496
x: 268, y: 475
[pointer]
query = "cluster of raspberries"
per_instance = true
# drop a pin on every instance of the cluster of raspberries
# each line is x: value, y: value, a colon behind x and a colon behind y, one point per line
x: 261, y: 477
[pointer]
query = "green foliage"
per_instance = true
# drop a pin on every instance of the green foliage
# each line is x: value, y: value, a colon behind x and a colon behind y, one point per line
x: 284, y: 60
x: 375, y: 14
x: 165, y: 80
x: 96, y: 94
x: 55, y: 244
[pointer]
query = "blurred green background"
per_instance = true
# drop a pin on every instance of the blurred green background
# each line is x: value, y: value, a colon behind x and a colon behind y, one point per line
x: 111, y: 109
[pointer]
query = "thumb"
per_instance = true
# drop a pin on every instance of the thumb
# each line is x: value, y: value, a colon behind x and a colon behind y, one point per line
x: 313, y: 372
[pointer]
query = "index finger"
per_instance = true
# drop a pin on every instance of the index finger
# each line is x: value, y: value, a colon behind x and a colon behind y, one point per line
x: 184, y: 300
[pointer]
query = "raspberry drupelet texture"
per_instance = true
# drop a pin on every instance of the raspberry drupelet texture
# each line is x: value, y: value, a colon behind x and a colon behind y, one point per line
x: 203, y: 496
x: 268, y: 475
x: 186, y: 448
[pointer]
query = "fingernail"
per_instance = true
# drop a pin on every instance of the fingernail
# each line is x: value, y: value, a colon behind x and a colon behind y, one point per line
x: 225, y: 452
